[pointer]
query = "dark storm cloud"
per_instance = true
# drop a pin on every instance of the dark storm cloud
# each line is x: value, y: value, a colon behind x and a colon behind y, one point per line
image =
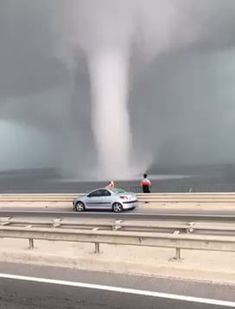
x: 181, y: 93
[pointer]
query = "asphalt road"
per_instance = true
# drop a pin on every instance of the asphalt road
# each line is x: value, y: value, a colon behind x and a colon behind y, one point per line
x: 132, y: 214
x: 102, y: 290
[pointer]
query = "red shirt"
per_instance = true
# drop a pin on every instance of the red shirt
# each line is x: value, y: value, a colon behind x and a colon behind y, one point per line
x: 145, y: 182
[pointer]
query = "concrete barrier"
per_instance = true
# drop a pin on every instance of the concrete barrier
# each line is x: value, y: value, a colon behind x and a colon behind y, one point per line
x: 151, y: 197
x: 38, y: 197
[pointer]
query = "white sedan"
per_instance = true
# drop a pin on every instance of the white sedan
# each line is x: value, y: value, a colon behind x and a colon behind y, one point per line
x: 114, y: 199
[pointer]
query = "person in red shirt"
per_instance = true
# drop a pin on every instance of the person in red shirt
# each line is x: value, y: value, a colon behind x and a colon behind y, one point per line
x: 146, y: 184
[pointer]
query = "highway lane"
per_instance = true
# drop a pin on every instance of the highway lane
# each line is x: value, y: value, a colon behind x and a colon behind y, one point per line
x: 104, y: 290
x: 151, y: 214
x: 19, y: 295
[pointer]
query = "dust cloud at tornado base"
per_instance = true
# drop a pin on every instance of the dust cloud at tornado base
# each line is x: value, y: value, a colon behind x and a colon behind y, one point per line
x: 177, y: 102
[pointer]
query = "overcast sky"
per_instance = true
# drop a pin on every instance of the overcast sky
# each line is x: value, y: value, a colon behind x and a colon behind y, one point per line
x: 181, y: 92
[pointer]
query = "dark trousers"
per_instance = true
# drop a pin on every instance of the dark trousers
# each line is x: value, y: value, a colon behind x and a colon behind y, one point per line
x: 146, y: 189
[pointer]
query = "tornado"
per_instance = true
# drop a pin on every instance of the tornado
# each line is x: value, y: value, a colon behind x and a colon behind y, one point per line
x: 109, y: 75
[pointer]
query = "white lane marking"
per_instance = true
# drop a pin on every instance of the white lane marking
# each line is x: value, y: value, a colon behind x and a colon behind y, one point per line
x: 122, y: 290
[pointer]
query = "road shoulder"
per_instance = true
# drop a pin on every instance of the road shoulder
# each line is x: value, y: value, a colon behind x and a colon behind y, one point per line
x: 217, y: 267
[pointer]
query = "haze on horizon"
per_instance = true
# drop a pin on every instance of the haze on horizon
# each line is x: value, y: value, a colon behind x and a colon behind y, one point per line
x: 178, y: 60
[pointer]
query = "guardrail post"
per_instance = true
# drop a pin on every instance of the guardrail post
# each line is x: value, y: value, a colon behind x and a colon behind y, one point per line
x: 31, y: 243
x: 97, y: 248
x: 177, y: 254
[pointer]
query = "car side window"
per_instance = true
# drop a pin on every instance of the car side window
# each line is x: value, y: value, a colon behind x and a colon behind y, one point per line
x: 105, y: 193
x: 94, y: 193
x: 101, y: 192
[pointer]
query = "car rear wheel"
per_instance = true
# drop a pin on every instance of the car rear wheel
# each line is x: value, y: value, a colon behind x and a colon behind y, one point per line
x: 79, y: 206
x: 117, y: 207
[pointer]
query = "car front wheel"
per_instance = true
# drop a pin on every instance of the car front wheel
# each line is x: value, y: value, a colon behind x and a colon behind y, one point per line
x: 79, y: 206
x: 117, y: 207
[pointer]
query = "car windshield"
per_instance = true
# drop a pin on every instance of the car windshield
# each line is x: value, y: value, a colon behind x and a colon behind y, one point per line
x: 118, y: 190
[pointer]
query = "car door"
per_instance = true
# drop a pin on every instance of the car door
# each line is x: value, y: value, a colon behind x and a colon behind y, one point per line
x: 97, y: 200
x: 108, y: 199
x: 92, y: 199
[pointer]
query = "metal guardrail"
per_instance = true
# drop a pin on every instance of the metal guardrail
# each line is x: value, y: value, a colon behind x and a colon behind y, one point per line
x: 176, y: 241
x: 178, y: 226
x: 119, y: 236
x: 163, y: 186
